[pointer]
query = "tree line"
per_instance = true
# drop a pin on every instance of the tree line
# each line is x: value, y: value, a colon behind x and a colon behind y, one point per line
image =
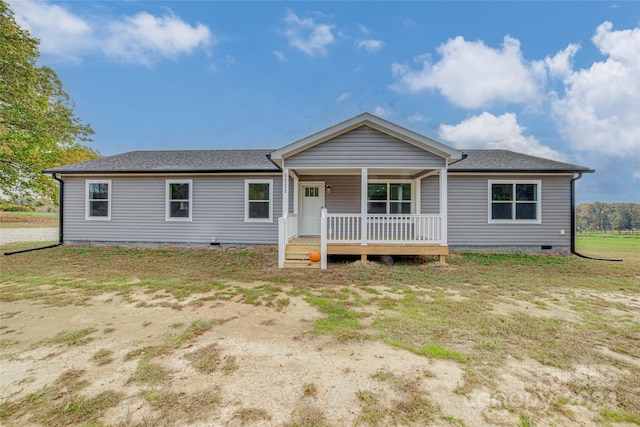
x: 605, y: 217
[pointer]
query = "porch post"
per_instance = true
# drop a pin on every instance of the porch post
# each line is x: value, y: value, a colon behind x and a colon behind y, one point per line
x: 296, y: 181
x: 285, y: 192
x: 443, y: 206
x: 364, y: 177
x: 417, y: 184
x: 323, y: 239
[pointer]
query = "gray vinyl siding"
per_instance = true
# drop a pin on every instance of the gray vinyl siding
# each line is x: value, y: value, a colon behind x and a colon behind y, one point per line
x: 364, y: 147
x: 468, y: 205
x: 138, y: 212
x: 430, y: 195
x: 345, y: 193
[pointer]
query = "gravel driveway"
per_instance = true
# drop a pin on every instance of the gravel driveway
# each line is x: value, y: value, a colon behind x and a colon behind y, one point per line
x: 12, y: 235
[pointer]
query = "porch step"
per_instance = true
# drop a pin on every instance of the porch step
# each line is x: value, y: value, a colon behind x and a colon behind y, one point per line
x: 302, y: 248
x: 297, y: 256
x: 297, y: 263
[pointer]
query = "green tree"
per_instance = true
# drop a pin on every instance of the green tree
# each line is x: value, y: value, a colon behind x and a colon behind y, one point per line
x: 38, y: 128
x: 626, y: 216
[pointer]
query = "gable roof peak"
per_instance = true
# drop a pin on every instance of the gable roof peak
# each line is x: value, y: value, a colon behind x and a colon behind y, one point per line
x: 375, y: 122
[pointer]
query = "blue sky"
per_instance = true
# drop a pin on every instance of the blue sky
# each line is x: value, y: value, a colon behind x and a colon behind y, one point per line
x: 554, y: 79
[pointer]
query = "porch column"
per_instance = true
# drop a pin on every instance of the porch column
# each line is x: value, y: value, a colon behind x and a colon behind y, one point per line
x: 443, y: 206
x: 364, y: 177
x: 417, y: 184
x: 285, y: 192
x: 296, y: 181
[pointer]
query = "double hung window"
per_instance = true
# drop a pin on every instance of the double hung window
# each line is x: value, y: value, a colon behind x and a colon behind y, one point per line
x: 258, y: 200
x: 98, y: 200
x: 511, y: 201
x: 389, y: 198
x: 179, y: 200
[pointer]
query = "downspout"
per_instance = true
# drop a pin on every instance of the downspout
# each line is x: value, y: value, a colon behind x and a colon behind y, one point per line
x: 60, y: 223
x: 573, y: 224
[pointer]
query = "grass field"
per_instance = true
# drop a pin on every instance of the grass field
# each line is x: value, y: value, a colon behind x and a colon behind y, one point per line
x: 484, y: 313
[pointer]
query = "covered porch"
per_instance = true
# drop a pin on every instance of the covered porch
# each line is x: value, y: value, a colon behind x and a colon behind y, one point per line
x: 365, y: 211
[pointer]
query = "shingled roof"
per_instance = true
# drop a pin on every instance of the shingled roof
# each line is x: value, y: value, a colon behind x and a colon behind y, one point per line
x: 182, y: 161
x: 509, y: 161
x: 220, y: 161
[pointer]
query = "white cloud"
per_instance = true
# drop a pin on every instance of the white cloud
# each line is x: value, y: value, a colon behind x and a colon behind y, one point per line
x: 380, y: 112
x: 307, y: 36
x: 491, y: 132
x: 143, y: 38
x: 363, y: 29
x: 415, y: 118
x: 343, y: 97
x: 472, y: 74
x: 61, y: 33
x: 600, y: 108
x: 370, y: 45
x: 561, y: 63
x: 281, y: 56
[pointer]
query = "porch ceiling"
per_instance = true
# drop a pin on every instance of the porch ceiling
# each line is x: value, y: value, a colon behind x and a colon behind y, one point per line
x: 357, y: 171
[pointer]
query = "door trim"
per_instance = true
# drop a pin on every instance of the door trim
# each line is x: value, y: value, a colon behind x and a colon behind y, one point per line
x: 321, y: 192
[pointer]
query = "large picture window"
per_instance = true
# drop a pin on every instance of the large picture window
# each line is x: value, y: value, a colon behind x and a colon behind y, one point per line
x: 258, y: 196
x: 389, y: 198
x: 511, y: 201
x: 179, y: 200
x: 98, y: 200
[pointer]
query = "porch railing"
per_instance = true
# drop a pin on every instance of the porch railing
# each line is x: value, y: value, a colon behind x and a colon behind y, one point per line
x: 400, y: 228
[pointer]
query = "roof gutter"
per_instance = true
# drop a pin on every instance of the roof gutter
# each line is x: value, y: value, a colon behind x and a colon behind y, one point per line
x: 60, y: 223
x: 576, y: 177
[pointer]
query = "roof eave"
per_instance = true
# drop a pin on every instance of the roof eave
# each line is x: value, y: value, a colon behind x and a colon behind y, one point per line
x: 502, y: 170
x: 151, y: 172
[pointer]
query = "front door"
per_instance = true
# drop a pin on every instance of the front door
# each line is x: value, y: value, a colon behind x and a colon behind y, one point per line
x: 311, y: 203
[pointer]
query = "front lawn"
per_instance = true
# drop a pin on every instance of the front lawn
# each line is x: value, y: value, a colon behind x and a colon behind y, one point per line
x: 535, y: 339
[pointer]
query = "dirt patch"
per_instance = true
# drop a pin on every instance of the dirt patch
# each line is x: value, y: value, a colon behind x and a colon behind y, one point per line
x: 237, y: 356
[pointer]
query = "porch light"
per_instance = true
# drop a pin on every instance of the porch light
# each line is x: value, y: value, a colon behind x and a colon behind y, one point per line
x: 328, y: 189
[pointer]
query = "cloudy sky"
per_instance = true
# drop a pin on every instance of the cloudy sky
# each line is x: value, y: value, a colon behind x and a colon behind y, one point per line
x: 553, y: 79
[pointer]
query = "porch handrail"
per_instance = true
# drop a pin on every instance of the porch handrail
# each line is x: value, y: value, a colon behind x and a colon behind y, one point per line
x: 385, y: 228
x: 292, y: 226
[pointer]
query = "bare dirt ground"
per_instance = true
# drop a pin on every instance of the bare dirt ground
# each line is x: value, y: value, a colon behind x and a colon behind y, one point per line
x: 268, y: 369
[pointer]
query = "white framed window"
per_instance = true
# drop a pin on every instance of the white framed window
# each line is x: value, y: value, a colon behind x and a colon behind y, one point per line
x: 512, y: 201
x: 258, y: 200
x: 98, y: 200
x: 179, y: 204
x: 390, y: 197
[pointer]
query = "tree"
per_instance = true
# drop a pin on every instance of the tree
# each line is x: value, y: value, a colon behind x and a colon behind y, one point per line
x: 626, y: 216
x: 38, y: 128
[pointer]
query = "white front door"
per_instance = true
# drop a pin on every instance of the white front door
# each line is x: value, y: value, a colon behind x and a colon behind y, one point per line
x: 311, y: 203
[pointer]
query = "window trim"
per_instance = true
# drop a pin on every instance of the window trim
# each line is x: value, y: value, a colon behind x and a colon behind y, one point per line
x: 167, y: 206
x: 87, y: 201
x: 389, y: 182
x: 513, y: 219
x: 247, y: 182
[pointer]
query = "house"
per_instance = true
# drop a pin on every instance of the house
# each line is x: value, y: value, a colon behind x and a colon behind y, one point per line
x: 365, y: 186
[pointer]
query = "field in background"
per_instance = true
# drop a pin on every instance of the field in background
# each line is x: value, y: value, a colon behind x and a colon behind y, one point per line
x: 28, y: 219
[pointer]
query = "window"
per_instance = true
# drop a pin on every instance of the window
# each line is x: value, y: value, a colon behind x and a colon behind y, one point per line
x: 179, y: 196
x: 389, y: 198
x: 98, y: 201
x: 514, y: 201
x: 258, y: 196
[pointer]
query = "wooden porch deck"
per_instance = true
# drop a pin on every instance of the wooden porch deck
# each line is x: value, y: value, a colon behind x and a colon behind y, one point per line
x: 298, y: 249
